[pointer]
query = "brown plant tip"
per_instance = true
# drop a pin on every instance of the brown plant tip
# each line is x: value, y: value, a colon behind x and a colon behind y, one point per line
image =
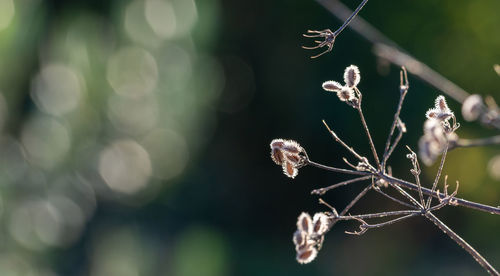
x: 329, y: 39
x: 288, y: 154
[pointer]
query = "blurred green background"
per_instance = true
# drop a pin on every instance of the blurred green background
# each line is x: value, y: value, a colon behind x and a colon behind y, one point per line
x: 135, y: 136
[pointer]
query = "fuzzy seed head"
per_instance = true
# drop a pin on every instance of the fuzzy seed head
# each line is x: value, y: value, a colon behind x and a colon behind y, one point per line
x: 307, y: 255
x: 332, y: 86
x: 299, y: 239
x: 352, y: 76
x: 471, y: 108
x: 321, y: 223
x: 288, y: 154
x: 346, y: 94
x: 304, y: 223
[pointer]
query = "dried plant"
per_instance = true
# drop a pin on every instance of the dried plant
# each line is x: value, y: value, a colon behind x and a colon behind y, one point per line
x: 439, y: 136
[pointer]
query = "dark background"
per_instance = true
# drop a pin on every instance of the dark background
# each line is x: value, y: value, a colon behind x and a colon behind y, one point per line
x: 135, y: 136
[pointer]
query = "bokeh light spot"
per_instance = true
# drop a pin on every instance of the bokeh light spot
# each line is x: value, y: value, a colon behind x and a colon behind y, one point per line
x: 56, y: 89
x: 125, y: 166
x: 132, y: 72
x: 161, y: 17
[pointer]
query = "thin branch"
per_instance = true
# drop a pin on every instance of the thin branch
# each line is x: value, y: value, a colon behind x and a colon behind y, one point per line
x: 464, y: 143
x: 390, y: 51
x: 438, y: 175
x: 378, y: 190
x: 322, y: 191
x: 403, y: 87
x: 390, y: 179
x: 460, y: 201
x: 333, y: 169
x: 348, y: 20
x: 350, y: 149
x: 467, y: 247
x: 355, y: 200
x: 394, y: 145
x: 367, y: 131
x: 369, y: 226
x: 379, y: 215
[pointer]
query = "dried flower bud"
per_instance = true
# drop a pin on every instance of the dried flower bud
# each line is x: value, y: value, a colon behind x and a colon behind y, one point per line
x: 304, y: 223
x: 352, y: 76
x: 307, y: 255
x: 332, y: 86
x: 288, y: 154
x: 346, y: 94
x: 471, y: 108
x: 321, y: 223
x: 440, y: 111
x: 434, y: 129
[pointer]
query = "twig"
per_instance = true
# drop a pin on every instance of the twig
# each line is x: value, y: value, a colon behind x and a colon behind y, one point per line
x: 379, y: 215
x: 333, y: 169
x: 350, y: 149
x: 438, y: 175
x: 404, y: 86
x: 464, y: 143
x: 367, y: 131
x: 322, y: 191
x: 467, y: 247
x: 388, y: 50
x: 378, y: 190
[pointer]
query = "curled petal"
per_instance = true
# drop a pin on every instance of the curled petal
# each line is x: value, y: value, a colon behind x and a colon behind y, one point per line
x: 441, y: 104
x: 304, y: 223
x: 332, y: 86
x: 307, y: 255
x: 321, y: 223
x: 299, y: 238
x: 290, y: 170
x: 352, y: 76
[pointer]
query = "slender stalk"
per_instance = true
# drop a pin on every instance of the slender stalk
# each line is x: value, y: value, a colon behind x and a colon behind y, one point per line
x: 403, y: 91
x: 337, y: 138
x: 365, y: 126
x: 348, y: 20
x: 321, y: 191
x: 333, y: 169
x: 355, y: 200
x: 467, y: 247
x: 369, y: 226
x: 460, y: 201
x: 378, y: 190
x: 379, y: 215
x: 394, y: 145
x: 438, y: 175
x: 464, y: 143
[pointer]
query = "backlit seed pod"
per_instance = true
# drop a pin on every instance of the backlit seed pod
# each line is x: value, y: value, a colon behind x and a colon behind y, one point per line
x: 471, y: 108
x: 352, y: 76
x: 289, y: 154
x: 290, y: 170
x: 304, y: 223
x: 332, y: 86
x: 346, y: 94
x: 307, y: 255
x: 321, y: 223
x: 299, y: 238
x: 441, y: 104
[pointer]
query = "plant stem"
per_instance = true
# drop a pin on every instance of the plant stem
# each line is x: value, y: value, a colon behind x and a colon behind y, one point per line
x: 467, y: 247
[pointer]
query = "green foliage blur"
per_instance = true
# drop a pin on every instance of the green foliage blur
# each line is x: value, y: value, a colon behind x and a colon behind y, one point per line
x: 134, y: 136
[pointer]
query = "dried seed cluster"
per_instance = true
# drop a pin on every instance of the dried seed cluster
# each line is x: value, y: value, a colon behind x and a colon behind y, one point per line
x: 310, y: 235
x: 288, y: 154
x: 438, y: 131
x: 346, y: 93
